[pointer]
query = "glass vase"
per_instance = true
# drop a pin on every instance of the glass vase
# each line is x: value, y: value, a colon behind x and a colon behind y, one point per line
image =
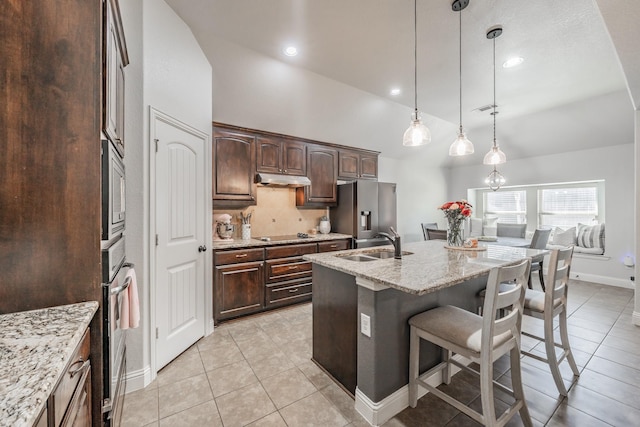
x: 455, y: 233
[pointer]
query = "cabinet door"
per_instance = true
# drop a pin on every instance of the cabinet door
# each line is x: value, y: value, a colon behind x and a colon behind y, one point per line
x: 238, y: 289
x: 269, y: 154
x: 368, y: 166
x: 294, y: 159
x: 322, y: 168
x: 114, y: 75
x: 349, y: 165
x: 234, y: 158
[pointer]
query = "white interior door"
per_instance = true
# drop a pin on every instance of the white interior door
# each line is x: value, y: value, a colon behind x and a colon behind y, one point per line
x: 180, y: 239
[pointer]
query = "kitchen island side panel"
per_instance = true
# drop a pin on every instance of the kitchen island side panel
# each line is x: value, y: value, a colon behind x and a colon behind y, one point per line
x: 383, y: 358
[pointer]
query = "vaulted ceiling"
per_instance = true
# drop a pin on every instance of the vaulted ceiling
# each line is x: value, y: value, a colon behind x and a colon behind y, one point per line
x: 571, y: 84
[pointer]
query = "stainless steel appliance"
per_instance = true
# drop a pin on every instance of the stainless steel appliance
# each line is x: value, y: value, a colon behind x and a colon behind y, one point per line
x: 365, y: 208
x: 114, y: 283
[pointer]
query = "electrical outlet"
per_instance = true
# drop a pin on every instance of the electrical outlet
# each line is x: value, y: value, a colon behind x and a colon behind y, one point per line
x: 365, y: 325
x: 633, y: 278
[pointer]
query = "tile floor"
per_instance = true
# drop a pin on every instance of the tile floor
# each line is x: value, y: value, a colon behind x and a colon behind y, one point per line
x: 256, y: 371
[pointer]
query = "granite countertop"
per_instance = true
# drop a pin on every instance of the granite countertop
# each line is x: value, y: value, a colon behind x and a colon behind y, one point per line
x: 35, y: 347
x: 429, y: 268
x: 256, y: 243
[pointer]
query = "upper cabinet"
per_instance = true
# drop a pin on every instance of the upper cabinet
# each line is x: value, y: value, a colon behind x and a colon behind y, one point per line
x: 322, y: 170
x: 278, y: 156
x: 115, y: 59
x: 354, y: 164
x: 234, y: 159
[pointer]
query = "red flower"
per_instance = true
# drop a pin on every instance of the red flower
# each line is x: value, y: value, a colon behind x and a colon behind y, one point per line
x: 446, y: 205
x: 466, y: 211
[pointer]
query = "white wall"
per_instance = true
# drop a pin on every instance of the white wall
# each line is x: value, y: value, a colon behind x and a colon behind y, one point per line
x: 169, y: 72
x: 613, y: 164
x: 636, y: 313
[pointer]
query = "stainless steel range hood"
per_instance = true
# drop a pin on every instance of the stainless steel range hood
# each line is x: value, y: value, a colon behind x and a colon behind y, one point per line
x: 282, y: 180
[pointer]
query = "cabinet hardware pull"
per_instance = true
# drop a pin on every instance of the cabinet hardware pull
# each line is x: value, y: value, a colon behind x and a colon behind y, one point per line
x: 334, y: 246
x: 242, y: 255
x: 294, y: 290
x: 293, y: 267
x: 83, y: 365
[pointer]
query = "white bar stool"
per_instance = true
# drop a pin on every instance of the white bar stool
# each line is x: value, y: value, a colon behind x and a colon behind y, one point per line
x: 482, y: 339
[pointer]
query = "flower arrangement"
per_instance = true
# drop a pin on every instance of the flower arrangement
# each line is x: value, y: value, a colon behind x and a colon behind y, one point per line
x: 456, y: 212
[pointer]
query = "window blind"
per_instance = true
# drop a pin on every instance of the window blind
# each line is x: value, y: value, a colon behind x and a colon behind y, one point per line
x: 508, y: 206
x: 566, y: 207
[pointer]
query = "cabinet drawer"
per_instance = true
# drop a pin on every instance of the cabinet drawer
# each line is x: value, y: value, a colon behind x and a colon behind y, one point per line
x: 287, y: 269
x: 75, y: 371
x: 334, y: 245
x: 288, y: 292
x: 236, y: 256
x: 79, y: 412
x: 291, y: 250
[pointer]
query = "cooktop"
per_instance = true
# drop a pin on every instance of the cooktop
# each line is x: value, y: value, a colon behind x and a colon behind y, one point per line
x: 284, y: 237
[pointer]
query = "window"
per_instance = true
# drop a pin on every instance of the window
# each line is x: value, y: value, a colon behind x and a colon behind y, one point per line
x: 508, y: 206
x: 566, y: 207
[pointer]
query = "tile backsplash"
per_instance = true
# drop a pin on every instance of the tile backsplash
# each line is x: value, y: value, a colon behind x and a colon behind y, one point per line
x: 275, y: 214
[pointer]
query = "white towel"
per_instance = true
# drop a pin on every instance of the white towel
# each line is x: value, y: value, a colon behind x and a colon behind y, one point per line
x: 130, y: 304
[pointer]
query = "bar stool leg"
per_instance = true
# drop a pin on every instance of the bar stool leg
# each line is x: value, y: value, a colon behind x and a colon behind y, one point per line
x: 414, y: 366
x: 549, y: 344
x: 564, y: 337
x: 446, y: 371
x: 486, y: 391
x: 541, y: 274
x: 516, y: 384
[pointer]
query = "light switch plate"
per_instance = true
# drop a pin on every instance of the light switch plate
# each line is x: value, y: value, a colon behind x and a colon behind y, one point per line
x: 365, y: 325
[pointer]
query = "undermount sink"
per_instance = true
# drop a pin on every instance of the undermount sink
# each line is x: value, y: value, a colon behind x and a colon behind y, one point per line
x: 371, y: 256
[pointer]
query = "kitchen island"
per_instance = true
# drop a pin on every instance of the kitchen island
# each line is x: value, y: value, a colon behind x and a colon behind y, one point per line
x: 361, y: 307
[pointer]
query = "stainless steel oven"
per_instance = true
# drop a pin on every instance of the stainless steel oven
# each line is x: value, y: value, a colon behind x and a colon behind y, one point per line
x: 113, y: 192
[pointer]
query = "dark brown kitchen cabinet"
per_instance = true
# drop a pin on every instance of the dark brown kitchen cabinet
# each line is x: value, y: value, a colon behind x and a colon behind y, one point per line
x: 357, y: 165
x: 278, y: 156
x: 334, y: 245
x: 234, y: 159
x: 322, y: 170
x: 238, y: 283
x: 115, y: 59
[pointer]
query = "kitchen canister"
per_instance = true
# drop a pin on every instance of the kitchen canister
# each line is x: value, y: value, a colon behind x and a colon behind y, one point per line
x: 246, y: 231
x: 324, y: 227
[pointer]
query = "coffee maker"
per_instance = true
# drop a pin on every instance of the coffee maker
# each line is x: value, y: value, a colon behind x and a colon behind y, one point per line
x: 223, y: 229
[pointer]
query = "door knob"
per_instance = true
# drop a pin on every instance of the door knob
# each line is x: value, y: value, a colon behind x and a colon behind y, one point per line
x: 202, y: 248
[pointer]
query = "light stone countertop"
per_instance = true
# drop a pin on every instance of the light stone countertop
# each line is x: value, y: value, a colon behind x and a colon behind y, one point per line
x: 256, y: 243
x: 429, y: 268
x: 35, y: 347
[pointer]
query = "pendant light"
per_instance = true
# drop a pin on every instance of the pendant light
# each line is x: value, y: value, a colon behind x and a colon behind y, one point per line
x: 461, y: 146
x: 418, y: 133
x: 495, y: 180
x: 495, y: 156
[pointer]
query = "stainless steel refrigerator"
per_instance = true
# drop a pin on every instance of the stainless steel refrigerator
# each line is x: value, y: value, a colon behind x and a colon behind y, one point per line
x: 364, y: 209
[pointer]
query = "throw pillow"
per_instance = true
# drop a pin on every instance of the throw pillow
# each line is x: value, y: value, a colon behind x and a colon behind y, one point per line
x: 564, y: 237
x: 591, y: 236
x: 475, y: 227
x: 489, y: 227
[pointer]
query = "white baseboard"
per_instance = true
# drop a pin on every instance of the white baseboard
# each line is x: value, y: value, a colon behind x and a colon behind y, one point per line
x: 137, y: 380
x: 604, y: 280
x: 378, y: 413
x: 635, y: 318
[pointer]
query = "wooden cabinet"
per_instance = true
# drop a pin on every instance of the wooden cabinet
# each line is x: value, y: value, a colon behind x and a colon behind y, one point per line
x: 334, y: 245
x: 238, y: 283
x: 279, y: 156
x: 357, y: 165
x: 288, y: 278
x: 322, y: 170
x: 115, y: 59
x: 70, y: 402
x: 234, y: 159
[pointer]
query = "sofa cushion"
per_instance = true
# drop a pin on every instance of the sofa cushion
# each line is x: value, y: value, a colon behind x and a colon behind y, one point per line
x: 579, y: 249
x: 591, y: 236
x: 564, y: 237
x: 512, y: 230
x: 489, y: 226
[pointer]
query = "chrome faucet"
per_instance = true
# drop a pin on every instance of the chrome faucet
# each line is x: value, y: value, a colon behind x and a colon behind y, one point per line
x: 395, y: 241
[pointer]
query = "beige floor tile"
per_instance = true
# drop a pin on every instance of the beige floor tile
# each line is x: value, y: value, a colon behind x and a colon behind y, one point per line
x: 287, y: 387
x: 218, y: 356
x: 258, y: 349
x: 244, y: 406
x: 299, y: 352
x: 184, y: 394
x: 313, y: 410
x: 269, y: 366
x: 316, y: 375
x: 231, y: 377
x: 216, y: 339
x: 272, y: 420
x: 341, y: 400
x: 140, y: 407
x: 205, y: 414
x: 187, y: 365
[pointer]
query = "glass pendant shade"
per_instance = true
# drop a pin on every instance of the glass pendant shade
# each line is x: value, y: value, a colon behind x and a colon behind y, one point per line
x: 495, y: 180
x: 495, y: 156
x: 461, y: 146
x: 417, y: 133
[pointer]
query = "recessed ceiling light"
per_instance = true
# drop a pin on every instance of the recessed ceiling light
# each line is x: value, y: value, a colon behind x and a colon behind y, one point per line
x: 290, y: 51
x: 395, y: 91
x: 512, y: 62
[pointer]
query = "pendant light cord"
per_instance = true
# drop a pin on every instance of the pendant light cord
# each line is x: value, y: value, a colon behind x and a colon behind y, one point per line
x: 494, y: 92
x: 460, y: 66
x: 415, y: 56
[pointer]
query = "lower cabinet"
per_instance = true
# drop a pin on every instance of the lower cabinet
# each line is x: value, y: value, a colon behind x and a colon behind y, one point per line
x: 251, y: 280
